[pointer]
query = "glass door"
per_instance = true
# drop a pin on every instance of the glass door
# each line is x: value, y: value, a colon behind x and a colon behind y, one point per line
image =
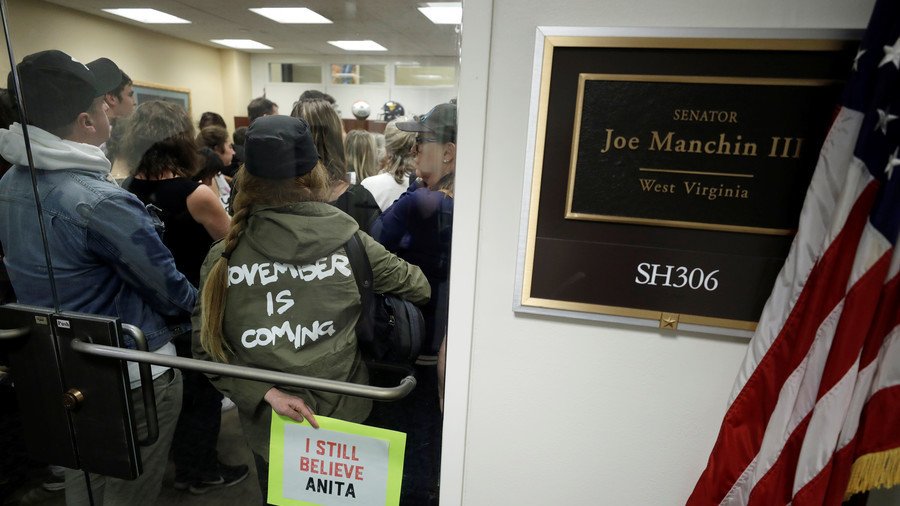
x: 125, y: 171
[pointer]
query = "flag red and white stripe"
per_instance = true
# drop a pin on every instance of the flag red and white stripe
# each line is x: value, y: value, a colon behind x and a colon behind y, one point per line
x: 820, y: 373
x: 866, y: 435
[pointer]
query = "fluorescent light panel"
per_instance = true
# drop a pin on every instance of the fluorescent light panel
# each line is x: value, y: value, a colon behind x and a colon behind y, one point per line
x: 358, y: 45
x: 241, y: 43
x: 149, y: 16
x: 292, y: 15
x: 443, y: 13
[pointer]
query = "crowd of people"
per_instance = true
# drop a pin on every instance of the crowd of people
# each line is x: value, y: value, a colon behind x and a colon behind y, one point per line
x: 156, y: 249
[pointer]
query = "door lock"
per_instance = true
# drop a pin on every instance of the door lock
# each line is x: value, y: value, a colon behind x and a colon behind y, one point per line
x: 72, y: 399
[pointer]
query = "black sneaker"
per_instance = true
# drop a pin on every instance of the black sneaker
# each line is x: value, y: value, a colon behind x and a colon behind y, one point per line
x: 228, y: 476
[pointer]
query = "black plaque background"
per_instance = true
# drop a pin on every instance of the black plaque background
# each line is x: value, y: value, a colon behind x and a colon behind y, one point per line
x: 607, y: 183
x: 595, y: 262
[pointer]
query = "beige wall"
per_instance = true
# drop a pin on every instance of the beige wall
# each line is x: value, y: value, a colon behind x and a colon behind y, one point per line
x: 553, y: 411
x: 235, y: 83
x: 219, y: 80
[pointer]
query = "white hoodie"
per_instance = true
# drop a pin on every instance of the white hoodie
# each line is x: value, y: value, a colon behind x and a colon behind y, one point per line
x: 50, y: 152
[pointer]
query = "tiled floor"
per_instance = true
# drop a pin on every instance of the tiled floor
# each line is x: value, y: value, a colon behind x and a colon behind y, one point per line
x: 232, y: 450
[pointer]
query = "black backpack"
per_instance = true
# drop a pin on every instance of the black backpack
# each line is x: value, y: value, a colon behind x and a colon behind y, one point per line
x: 390, y: 328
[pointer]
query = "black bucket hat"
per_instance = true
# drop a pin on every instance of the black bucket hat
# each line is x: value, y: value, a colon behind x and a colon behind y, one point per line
x: 279, y: 147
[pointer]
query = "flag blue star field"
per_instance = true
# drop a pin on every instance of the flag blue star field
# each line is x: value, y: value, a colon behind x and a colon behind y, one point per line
x: 814, y: 415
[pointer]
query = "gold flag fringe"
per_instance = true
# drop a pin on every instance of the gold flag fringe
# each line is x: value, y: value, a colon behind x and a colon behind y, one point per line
x: 874, y: 470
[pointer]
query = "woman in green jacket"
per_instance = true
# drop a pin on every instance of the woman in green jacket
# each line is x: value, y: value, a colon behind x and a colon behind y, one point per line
x: 278, y: 292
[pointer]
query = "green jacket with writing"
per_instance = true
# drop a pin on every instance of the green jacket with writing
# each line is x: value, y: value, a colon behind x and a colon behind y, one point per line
x: 292, y: 304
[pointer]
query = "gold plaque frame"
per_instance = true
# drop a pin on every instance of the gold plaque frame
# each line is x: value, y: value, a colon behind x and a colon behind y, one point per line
x: 550, y: 38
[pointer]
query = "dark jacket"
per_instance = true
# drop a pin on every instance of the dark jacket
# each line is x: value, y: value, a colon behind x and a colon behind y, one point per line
x: 359, y: 203
x: 418, y: 228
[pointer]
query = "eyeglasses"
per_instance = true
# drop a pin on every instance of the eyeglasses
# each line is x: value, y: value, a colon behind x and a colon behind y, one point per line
x: 422, y: 140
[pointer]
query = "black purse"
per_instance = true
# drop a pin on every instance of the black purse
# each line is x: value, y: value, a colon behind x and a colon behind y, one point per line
x: 390, y: 328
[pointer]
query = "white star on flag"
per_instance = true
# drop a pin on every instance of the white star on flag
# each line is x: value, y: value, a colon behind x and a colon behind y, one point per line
x: 892, y: 54
x: 856, y: 59
x: 893, y: 161
x: 884, y: 117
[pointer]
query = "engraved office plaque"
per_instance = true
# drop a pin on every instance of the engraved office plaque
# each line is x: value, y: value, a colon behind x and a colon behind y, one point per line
x: 716, y: 153
x: 668, y: 169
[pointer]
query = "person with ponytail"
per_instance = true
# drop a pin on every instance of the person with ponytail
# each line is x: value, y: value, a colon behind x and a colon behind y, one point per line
x: 278, y: 292
x: 398, y: 163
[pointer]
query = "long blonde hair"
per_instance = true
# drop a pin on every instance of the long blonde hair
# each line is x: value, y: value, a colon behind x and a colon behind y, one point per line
x: 360, y: 150
x: 254, y: 190
x: 398, y: 160
x: 446, y: 184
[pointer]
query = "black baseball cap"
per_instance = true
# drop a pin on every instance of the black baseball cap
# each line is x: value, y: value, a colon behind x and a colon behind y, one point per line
x: 279, y: 147
x: 440, y: 121
x: 107, y: 73
x: 57, y: 88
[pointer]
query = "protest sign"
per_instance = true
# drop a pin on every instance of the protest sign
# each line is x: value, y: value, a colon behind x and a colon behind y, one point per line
x: 340, y: 463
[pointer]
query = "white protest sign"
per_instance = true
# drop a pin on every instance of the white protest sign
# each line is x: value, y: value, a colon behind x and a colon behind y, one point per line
x: 339, y: 464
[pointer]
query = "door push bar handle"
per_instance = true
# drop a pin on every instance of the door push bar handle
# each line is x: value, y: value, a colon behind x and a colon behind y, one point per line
x: 14, y: 333
x: 146, y: 386
x: 71, y: 400
x: 407, y: 384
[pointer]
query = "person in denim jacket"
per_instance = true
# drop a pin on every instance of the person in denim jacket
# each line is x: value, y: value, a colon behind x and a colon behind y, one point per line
x: 106, y: 255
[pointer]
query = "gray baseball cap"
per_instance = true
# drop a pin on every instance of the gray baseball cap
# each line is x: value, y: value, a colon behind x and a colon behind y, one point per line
x: 440, y: 121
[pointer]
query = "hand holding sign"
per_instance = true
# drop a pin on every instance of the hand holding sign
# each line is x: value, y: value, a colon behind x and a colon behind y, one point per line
x: 290, y: 406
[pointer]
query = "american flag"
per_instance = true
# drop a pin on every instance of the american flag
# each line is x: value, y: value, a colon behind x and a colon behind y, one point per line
x: 815, y: 411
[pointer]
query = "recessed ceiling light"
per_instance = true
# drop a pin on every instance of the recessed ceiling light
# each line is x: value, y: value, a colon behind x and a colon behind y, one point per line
x: 443, y: 13
x: 292, y: 15
x: 241, y: 43
x: 358, y: 45
x: 152, y: 16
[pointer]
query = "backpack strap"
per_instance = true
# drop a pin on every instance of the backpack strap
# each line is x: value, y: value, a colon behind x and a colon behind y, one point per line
x: 362, y: 273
